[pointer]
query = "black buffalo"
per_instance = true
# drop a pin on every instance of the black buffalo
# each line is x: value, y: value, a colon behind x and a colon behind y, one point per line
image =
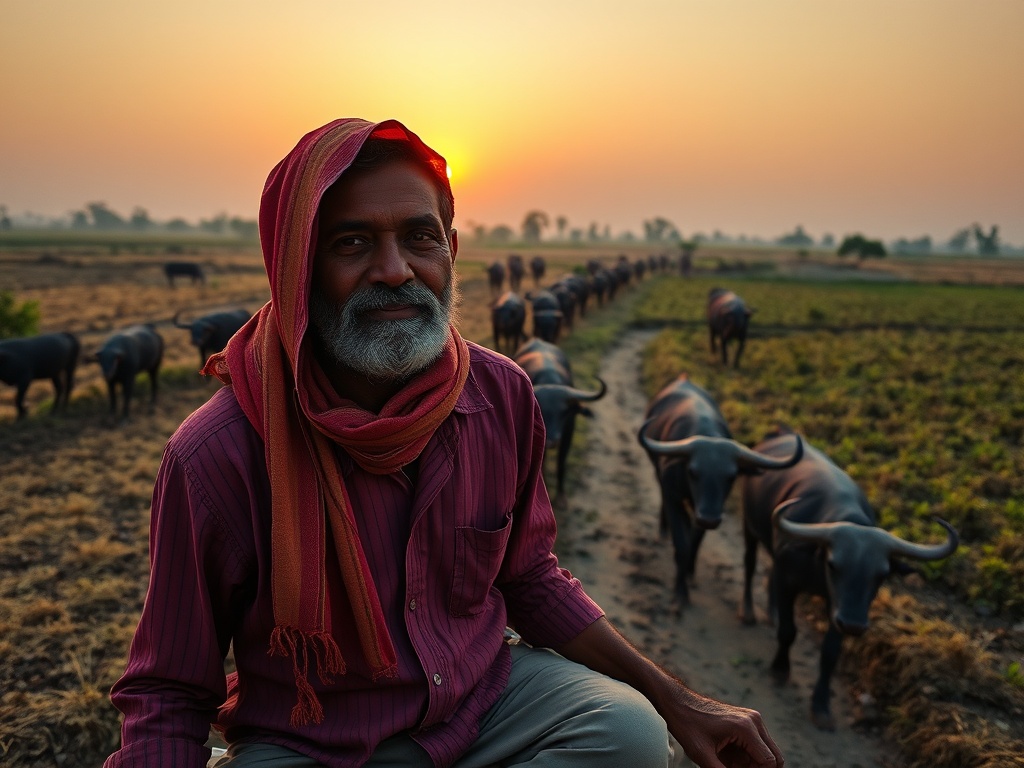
x: 516, y: 270
x: 728, y: 318
x: 189, y: 269
x: 125, y: 354
x: 821, y: 533
x: 508, y: 315
x: 696, y: 462
x: 547, y: 315
x: 52, y: 356
x: 537, y: 268
x: 496, y: 277
x: 210, y: 333
x: 560, y: 402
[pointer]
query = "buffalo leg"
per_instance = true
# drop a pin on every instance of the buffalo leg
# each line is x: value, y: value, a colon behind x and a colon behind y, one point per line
x: 698, y: 537
x: 112, y: 394
x: 58, y: 393
x: 714, y: 348
x: 785, y: 600
x: 821, y: 715
x: 19, y: 400
x: 741, y: 342
x: 725, y: 351
x: 679, y: 524
x: 127, y: 390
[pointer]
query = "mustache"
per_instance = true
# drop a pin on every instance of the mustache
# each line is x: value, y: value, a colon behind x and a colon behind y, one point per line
x: 380, y: 296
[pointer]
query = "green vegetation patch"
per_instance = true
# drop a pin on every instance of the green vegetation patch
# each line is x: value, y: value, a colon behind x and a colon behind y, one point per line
x: 927, y: 421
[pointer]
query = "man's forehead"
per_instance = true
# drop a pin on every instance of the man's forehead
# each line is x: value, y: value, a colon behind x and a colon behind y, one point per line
x: 398, y: 190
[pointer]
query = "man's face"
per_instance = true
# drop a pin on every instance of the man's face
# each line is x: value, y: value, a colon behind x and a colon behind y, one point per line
x: 382, y: 286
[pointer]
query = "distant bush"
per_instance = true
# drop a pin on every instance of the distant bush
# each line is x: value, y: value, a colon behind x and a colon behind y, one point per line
x: 15, y: 320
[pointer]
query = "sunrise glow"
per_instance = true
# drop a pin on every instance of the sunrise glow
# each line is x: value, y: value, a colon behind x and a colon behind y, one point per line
x: 899, y: 119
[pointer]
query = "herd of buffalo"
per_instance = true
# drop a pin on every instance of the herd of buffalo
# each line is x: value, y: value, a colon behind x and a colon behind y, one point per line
x: 807, y: 513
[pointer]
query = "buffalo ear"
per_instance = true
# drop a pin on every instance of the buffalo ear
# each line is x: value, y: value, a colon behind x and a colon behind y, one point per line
x: 584, y: 411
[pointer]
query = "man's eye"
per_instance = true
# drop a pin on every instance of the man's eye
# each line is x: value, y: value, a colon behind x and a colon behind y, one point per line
x: 348, y: 241
x: 424, y: 236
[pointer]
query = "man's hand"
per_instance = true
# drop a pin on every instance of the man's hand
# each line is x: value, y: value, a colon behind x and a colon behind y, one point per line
x: 713, y: 734
x: 718, y: 735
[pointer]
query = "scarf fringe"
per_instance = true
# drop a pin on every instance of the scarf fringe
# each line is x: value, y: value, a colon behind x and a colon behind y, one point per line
x: 291, y: 641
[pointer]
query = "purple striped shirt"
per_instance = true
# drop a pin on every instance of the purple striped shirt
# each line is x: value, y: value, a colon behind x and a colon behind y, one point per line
x: 456, y: 553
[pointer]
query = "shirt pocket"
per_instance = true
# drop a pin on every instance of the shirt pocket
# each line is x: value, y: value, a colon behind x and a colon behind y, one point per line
x: 478, y: 558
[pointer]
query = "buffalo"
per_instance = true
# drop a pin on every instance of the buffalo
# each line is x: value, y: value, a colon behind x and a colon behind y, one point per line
x: 189, y: 269
x: 696, y: 462
x: 547, y: 315
x: 560, y: 402
x: 52, y: 356
x: 821, y: 532
x: 728, y: 318
x: 508, y: 315
x: 516, y: 270
x: 210, y: 333
x: 125, y: 354
x: 537, y: 268
x: 496, y: 278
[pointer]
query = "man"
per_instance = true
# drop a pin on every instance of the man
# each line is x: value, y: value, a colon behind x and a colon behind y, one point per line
x: 361, y: 513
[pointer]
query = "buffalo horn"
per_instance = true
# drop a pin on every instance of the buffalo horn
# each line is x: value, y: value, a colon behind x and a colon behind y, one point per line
x: 176, y: 323
x: 926, y: 551
x: 746, y: 455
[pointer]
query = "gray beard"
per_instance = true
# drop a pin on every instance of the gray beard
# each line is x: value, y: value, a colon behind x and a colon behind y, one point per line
x: 384, y: 350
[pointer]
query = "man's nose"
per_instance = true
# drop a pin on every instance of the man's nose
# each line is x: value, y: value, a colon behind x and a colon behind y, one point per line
x: 390, y: 265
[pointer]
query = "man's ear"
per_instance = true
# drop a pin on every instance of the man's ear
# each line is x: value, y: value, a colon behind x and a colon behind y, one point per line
x: 453, y: 242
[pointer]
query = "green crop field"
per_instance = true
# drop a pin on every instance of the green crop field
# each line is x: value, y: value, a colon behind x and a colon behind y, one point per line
x: 916, y: 390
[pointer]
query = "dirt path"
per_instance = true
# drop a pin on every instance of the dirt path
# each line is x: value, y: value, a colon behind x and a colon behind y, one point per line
x: 608, y: 537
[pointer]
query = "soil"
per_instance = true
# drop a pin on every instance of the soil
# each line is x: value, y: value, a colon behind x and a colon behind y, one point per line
x: 608, y: 538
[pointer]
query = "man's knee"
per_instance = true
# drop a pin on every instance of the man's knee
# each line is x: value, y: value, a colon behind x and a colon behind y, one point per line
x: 634, y: 730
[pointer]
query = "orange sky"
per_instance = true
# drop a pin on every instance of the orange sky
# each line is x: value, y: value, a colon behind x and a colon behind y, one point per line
x: 891, y: 117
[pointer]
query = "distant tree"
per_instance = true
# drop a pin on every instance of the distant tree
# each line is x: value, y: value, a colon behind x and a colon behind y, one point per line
x: 828, y: 241
x: 862, y: 247
x: 17, y: 320
x: 247, y: 229
x: 79, y: 220
x: 561, y: 223
x: 988, y: 245
x: 104, y: 218
x: 592, y: 233
x: 533, y: 224
x: 921, y: 246
x: 796, y: 239
x: 218, y: 225
x: 140, y: 219
x: 5, y: 220
x: 659, y: 229
x: 502, y: 234
x: 576, y: 235
x: 958, y: 242
x: 178, y: 225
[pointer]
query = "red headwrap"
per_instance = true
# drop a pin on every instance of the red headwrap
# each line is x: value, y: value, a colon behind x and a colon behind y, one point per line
x: 288, y: 399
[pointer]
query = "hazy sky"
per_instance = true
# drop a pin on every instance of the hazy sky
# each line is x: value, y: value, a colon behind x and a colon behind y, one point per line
x: 890, y: 117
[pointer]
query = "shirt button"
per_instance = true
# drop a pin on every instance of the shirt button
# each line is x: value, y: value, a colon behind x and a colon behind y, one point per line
x: 437, y: 679
x: 412, y: 604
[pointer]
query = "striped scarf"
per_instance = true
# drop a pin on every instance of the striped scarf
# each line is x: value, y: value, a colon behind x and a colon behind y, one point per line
x: 289, y: 401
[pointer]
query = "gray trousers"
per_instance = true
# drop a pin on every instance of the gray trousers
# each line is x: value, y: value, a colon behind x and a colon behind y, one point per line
x: 553, y: 714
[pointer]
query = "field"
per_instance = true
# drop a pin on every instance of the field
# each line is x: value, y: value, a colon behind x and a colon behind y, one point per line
x: 909, y: 373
